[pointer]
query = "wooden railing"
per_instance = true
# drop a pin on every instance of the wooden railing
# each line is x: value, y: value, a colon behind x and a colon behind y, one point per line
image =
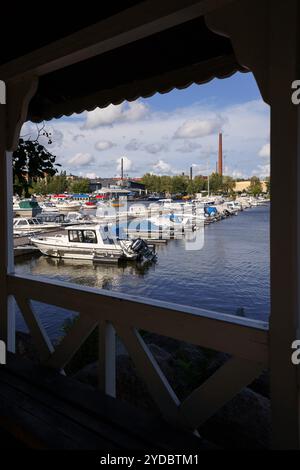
x: 245, y: 340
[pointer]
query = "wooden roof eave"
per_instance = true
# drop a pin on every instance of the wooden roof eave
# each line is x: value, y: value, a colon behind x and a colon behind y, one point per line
x: 219, y: 67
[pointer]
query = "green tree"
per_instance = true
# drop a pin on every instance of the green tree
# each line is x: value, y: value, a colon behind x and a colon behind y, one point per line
x: 81, y: 185
x: 228, y: 184
x: 268, y: 184
x: 215, y: 182
x: 179, y: 184
x: 255, y: 187
x: 31, y: 162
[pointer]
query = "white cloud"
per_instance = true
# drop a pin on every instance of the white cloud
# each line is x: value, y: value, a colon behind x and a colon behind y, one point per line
x: 262, y: 171
x: 104, y: 145
x: 113, y: 114
x: 81, y: 159
x: 264, y: 151
x: 199, y: 128
x: 162, y: 167
x: 91, y: 175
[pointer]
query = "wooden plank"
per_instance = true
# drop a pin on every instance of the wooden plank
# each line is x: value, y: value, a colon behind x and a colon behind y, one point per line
x: 142, y: 20
x: 107, y: 359
x: 148, y: 369
x: 70, y: 344
x: 217, y: 390
x: 125, y: 418
x: 21, y: 403
x: 37, y: 331
x: 88, y: 430
x: 238, y: 336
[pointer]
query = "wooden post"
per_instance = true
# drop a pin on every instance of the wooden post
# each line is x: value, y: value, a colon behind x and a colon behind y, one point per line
x: 285, y: 223
x: 265, y: 37
x: 7, y: 317
x: 12, y: 115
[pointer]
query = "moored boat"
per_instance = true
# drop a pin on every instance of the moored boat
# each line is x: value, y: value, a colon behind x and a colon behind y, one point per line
x: 95, y: 243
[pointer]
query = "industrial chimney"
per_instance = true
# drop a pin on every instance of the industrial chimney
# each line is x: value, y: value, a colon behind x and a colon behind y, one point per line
x: 122, y: 169
x: 191, y: 173
x: 220, y: 156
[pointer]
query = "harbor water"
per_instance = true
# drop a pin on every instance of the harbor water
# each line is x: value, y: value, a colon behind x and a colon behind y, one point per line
x: 230, y: 274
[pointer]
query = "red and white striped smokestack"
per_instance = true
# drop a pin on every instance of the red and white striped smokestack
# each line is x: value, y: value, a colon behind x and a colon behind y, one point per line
x: 220, y: 156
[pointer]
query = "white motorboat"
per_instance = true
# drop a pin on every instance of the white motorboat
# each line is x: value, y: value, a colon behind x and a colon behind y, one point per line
x: 95, y: 243
x: 233, y: 206
x: 48, y: 207
x: 68, y: 206
x: 171, y: 221
x: 23, y: 225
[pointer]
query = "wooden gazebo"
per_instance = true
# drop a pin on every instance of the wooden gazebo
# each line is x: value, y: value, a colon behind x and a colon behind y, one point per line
x: 96, y: 57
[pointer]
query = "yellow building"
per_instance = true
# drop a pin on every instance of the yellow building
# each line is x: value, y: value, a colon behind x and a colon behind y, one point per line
x: 241, y: 186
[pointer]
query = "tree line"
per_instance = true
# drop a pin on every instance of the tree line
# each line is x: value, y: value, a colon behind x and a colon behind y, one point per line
x: 183, y: 185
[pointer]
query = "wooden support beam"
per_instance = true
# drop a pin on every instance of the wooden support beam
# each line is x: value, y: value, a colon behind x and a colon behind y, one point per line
x: 70, y: 344
x: 107, y: 358
x: 266, y: 39
x: 142, y: 20
x: 218, y: 389
x: 148, y: 369
x: 12, y: 115
x: 7, y: 315
x: 285, y: 237
x: 37, y: 331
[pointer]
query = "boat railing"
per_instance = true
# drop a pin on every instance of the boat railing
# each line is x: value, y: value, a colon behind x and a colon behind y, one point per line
x: 244, y: 340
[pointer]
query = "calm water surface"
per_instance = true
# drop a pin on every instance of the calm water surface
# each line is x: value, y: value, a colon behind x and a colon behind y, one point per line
x: 230, y: 274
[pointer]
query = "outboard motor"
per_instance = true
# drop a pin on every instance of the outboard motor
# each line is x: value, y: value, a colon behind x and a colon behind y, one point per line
x: 140, y: 247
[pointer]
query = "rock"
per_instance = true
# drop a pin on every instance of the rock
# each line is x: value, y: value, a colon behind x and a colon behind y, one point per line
x: 243, y: 423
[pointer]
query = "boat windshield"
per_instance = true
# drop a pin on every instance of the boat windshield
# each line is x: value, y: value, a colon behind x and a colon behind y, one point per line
x: 106, y: 236
x: 82, y: 236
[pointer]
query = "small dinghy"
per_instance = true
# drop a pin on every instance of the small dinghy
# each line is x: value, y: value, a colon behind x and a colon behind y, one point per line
x: 95, y: 243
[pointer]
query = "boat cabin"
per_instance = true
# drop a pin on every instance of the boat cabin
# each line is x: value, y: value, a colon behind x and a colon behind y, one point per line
x: 97, y: 234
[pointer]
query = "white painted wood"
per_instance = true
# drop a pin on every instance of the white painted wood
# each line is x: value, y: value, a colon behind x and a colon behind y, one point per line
x: 132, y: 24
x: 218, y: 389
x: 19, y: 93
x: 70, y: 344
x: 148, y: 369
x: 265, y: 37
x: 242, y: 337
x: 285, y: 237
x: 37, y: 331
x: 7, y: 315
x: 107, y: 358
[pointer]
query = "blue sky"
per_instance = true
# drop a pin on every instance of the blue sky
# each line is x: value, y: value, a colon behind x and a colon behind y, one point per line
x: 166, y: 134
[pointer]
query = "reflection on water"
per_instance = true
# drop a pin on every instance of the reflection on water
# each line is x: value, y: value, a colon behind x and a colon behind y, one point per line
x: 230, y: 274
